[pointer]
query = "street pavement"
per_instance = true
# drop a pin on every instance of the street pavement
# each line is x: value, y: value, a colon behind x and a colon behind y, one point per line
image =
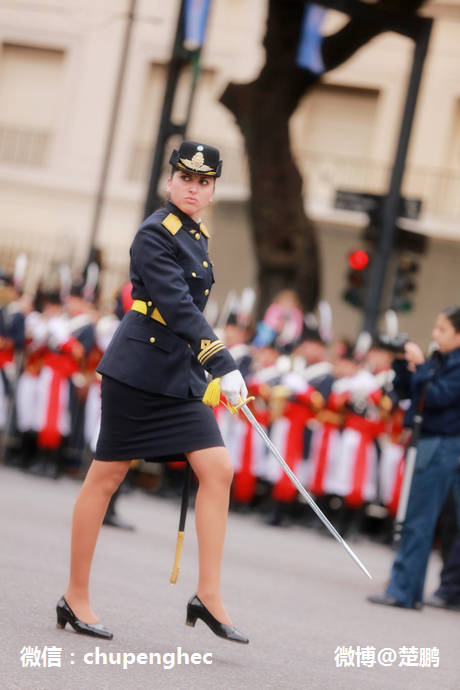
x: 296, y: 594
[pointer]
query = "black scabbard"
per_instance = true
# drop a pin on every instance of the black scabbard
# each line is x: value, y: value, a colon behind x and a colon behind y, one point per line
x: 182, y: 518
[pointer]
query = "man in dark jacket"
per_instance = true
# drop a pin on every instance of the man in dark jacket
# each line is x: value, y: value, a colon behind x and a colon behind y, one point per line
x: 437, y: 468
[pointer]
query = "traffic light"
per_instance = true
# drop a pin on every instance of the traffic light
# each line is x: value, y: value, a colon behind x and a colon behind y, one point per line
x: 404, y: 284
x: 358, y: 268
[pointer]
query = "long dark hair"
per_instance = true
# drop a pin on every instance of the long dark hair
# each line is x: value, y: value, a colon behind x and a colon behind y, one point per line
x: 453, y: 314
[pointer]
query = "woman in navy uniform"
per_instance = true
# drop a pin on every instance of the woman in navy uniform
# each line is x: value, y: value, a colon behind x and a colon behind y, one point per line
x: 153, y: 381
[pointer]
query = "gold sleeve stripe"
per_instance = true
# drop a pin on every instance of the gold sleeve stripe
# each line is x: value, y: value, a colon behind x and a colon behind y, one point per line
x: 208, y: 346
x: 209, y: 349
x: 211, y: 354
x: 203, y: 356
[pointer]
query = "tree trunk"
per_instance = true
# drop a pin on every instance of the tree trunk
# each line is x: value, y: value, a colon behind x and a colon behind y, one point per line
x: 284, y: 238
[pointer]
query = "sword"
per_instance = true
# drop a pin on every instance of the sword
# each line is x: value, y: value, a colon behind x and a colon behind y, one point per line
x: 274, y: 450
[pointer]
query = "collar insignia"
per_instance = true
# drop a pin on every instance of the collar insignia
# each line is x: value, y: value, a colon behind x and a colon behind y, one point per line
x: 204, y: 231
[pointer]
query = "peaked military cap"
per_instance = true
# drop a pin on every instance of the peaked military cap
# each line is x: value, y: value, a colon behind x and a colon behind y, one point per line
x: 197, y: 158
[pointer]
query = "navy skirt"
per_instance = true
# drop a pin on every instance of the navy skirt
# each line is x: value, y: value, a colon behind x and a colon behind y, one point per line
x: 137, y: 424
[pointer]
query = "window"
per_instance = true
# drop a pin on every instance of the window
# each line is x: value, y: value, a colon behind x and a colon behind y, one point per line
x: 30, y: 80
x: 333, y: 132
x: 147, y: 123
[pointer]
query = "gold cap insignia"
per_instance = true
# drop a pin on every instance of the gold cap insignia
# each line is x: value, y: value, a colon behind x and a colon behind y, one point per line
x: 196, y: 163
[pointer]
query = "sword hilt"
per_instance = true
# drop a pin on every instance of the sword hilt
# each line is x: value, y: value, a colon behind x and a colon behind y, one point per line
x: 234, y: 408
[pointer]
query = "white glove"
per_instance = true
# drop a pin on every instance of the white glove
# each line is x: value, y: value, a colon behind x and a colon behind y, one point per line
x: 233, y: 387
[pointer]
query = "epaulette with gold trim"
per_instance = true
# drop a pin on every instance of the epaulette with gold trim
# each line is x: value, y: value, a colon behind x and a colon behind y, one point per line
x: 172, y: 223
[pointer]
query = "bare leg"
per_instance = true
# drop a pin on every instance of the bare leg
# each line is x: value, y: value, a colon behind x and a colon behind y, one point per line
x: 102, y: 480
x: 214, y: 470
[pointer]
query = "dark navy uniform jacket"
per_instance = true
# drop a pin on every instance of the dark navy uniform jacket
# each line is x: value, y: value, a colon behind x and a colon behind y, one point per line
x: 439, y: 378
x: 171, y: 273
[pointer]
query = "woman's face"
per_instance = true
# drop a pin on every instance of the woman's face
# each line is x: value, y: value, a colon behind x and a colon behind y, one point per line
x: 445, y: 335
x: 190, y: 192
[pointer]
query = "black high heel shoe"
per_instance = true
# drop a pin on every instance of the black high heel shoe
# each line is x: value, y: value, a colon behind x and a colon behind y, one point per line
x: 196, y: 609
x: 66, y: 615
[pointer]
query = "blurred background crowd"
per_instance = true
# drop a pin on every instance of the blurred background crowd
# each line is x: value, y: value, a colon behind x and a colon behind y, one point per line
x: 328, y: 404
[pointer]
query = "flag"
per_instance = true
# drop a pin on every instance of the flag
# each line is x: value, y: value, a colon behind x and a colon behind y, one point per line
x: 196, y: 16
x: 309, y: 50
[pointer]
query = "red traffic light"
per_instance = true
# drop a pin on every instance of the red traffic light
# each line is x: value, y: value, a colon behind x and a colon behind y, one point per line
x: 358, y: 259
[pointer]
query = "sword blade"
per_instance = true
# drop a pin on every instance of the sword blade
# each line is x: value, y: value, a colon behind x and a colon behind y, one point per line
x: 274, y: 450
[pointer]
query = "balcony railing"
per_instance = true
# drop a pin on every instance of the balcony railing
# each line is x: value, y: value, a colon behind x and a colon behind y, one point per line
x: 22, y: 146
x: 438, y: 188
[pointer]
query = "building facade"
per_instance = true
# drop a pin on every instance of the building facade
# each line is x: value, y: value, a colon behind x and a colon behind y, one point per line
x: 59, y: 65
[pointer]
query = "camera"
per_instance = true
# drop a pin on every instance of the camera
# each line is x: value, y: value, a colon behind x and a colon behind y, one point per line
x: 394, y: 344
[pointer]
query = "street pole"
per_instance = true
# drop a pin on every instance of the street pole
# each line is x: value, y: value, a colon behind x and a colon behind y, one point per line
x: 100, y: 197
x: 390, y: 207
x: 181, y: 57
